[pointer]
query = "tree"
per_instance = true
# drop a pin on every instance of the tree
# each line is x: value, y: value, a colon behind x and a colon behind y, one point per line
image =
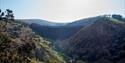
x: 9, y: 14
x: 1, y: 14
x: 115, y: 16
x: 5, y: 17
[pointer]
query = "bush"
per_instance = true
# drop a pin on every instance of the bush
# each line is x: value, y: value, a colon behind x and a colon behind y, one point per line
x: 119, y: 17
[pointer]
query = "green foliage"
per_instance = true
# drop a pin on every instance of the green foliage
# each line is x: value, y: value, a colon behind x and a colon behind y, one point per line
x: 50, y: 54
x: 115, y: 21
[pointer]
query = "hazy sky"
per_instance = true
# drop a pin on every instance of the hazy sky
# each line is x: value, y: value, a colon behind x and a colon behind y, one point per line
x: 63, y: 10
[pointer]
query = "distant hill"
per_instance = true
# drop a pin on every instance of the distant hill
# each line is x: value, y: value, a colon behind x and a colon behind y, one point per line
x: 62, y: 32
x: 101, y: 42
x: 41, y: 22
x: 84, y: 22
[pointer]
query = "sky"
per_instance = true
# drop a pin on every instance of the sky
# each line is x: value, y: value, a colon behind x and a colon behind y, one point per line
x: 62, y: 11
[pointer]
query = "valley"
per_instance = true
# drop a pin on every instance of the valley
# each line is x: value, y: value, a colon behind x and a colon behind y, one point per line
x: 91, y: 40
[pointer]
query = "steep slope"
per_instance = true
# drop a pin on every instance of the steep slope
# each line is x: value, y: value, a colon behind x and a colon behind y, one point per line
x: 19, y: 44
x: 55, y: 32
x: 101, y: 42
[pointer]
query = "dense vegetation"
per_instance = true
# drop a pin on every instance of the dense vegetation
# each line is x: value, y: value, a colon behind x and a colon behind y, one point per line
x: 19, y: 44
x: 100, y: 42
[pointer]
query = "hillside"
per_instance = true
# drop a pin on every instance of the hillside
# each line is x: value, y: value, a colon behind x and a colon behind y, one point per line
x: 101, y: 42
x: 84, y: 22
x: 55, y: 32
x: 62, y: 32
x: 97, y: 39
x: 19, y: 44
x: 41, y: 22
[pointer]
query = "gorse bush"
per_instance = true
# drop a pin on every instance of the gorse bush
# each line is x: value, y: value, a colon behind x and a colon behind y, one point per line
x: 12, y: 52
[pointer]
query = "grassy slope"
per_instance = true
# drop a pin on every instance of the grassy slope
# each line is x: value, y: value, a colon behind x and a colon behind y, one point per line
x: 19, y: 44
